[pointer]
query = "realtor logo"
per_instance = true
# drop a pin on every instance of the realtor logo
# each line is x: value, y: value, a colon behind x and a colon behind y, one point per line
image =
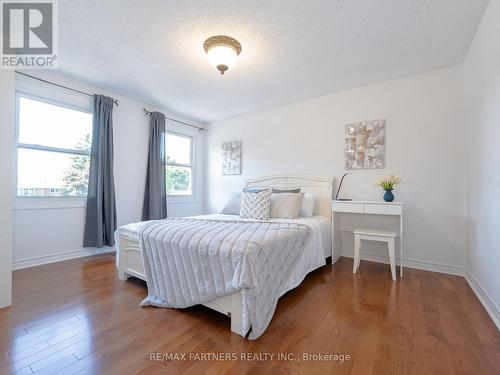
x: 29, y: 34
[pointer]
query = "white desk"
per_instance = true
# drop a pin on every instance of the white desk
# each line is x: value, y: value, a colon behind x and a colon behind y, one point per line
x: 371, y: 208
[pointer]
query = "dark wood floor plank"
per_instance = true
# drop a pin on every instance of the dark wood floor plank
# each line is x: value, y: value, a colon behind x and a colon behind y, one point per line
x: 77, y: 317
x: 53, y: 363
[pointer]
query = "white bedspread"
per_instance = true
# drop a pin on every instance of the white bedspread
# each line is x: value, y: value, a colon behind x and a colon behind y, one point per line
x: 195, y: 260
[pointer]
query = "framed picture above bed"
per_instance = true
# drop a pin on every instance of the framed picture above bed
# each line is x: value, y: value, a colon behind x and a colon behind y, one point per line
x: 231, y: 158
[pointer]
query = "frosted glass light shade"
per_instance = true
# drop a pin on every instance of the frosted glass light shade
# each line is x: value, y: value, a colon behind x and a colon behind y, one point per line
x: 222, y: 55
x: 222, y: 51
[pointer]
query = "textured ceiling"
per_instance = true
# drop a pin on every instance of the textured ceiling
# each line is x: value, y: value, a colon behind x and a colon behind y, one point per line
x: 292, y: 49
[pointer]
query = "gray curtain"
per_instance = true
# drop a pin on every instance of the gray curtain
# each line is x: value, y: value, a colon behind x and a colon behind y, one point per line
x: 155, y: 195
x: 100, y: 221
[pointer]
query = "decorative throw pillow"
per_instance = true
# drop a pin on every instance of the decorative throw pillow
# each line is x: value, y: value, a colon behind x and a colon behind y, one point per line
x: 279, y: 191
x: 286, y: 205
x: 254, y: 189
x: 256, y: 205
x: 233, y: 205
x: 307, y: 208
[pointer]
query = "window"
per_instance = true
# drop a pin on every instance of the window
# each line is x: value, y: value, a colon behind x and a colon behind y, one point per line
x: 179, y: 164
x: 53, y: 155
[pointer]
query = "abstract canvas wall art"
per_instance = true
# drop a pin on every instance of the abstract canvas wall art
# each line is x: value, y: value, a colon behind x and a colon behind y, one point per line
x: 365, y: 145
x: 231, y: 158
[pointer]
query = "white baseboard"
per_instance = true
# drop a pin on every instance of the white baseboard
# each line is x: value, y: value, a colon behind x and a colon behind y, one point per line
x: 58, y: 257
x: 335, y: 259
x: 410, y: 263
x: 489, y: 304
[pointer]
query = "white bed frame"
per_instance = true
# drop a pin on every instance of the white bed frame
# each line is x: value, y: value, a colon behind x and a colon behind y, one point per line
x: 129, y: 257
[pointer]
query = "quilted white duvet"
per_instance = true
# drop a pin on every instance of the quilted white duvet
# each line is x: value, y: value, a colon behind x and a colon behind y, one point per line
x: 190, y: 261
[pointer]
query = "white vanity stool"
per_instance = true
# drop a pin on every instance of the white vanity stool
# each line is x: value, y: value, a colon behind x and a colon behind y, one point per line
x: 374, y: 235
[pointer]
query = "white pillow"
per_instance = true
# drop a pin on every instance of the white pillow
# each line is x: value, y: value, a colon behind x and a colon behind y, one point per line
x: 286, y: 205
x: 307, y: 208
x: 255, y: 205
x: 233, y: 205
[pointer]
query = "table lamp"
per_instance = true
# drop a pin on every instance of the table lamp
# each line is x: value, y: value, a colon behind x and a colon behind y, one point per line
x: 338, y: 190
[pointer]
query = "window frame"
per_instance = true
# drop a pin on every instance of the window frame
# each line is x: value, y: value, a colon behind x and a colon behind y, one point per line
x: 45, y: 202
x: 183, y: 197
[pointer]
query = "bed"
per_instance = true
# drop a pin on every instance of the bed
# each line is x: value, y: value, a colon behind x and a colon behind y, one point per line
x: 299, y: 246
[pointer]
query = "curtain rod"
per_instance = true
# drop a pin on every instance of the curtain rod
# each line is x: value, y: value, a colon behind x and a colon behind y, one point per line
x: 173, y: 119
x: 58, y: 85
x: 114, y: 100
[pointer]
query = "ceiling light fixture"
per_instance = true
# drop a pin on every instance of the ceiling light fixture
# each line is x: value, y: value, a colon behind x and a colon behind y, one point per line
x: 222, y: 51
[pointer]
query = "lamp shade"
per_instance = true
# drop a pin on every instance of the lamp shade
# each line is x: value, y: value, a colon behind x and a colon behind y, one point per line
x: 222, y: 51
x: 222, y: 55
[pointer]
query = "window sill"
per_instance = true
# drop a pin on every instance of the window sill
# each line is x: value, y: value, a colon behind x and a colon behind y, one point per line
x: 49, y: 203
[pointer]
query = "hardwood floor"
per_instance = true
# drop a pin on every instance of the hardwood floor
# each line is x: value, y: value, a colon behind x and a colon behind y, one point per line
x: 77, y: 317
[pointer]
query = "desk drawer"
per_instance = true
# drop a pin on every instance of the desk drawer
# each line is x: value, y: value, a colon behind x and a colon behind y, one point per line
x: 383, y: 209
x: 347, y: 207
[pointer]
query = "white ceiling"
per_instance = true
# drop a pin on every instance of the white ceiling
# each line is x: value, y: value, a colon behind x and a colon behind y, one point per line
x: 291, y: 49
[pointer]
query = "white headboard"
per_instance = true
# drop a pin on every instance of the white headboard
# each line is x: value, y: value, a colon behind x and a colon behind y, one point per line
x: 322, y: 187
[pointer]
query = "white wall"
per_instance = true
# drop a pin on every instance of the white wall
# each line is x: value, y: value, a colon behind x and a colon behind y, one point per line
x: 43, y: 234
x: 481, y: 71
x: 423, y: 143
x: 6, y: 183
